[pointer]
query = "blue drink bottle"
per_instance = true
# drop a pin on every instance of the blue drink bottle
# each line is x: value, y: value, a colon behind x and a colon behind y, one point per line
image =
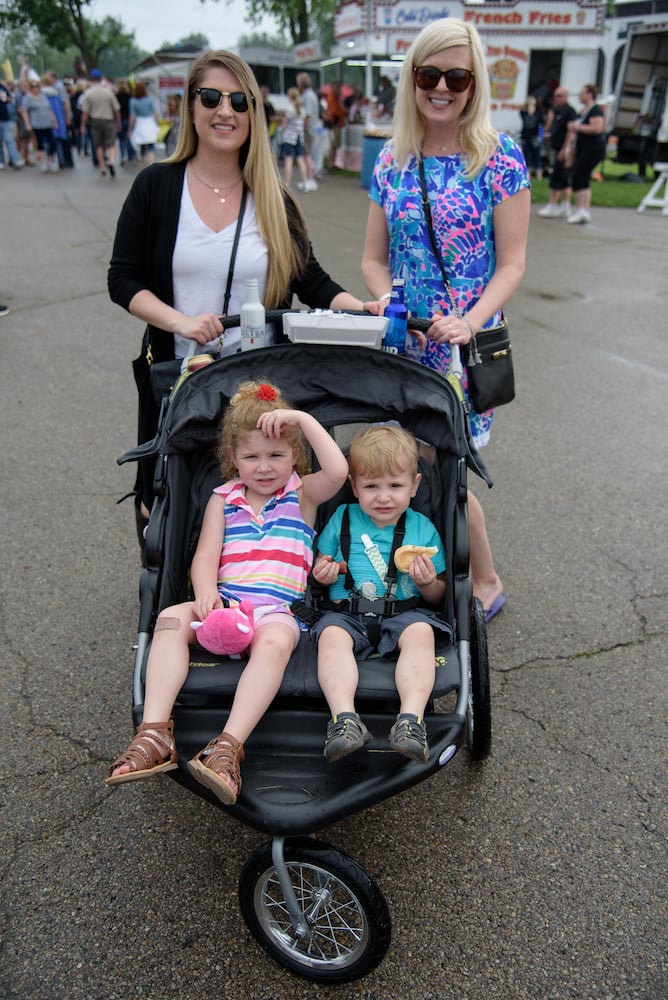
x: 394, y: 341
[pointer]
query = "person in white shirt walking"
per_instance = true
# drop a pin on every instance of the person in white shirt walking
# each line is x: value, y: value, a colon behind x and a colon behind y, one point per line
x: 311, y: 106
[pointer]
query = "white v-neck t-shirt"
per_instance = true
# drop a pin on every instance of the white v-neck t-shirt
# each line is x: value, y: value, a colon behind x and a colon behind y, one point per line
x: 200, y: 264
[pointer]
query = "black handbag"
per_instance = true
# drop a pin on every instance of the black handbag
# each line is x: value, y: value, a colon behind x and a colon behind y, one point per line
x: 489, y: 365
x: 490, y: 368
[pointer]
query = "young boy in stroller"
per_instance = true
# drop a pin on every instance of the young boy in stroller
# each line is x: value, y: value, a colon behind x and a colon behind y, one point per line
x: 379, y: 556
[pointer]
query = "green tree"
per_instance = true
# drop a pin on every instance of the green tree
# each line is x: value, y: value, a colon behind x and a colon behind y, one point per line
x: 301, y: 20
x: 62, y: 23
x: 194, y: 41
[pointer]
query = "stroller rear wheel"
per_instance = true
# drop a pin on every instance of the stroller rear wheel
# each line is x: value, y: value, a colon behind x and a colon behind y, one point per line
x: 346, y: 930
x: 479, y: 712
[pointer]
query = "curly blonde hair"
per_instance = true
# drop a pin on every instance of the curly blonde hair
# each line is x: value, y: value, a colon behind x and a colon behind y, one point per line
x: 476, y: 135
x: 249, y: 402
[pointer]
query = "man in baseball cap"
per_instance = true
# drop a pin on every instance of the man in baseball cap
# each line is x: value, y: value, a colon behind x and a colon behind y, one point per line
x: 101, y: 105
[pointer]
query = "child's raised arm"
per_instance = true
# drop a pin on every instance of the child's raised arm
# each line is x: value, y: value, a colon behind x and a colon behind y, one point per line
x: 318, y: 486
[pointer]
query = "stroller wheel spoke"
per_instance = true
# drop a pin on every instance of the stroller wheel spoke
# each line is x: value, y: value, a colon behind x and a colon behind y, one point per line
x: 345, y: 915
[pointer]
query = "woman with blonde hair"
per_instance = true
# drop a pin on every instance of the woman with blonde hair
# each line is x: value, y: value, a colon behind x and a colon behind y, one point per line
x: 195, y: 227
x: 446, y: 155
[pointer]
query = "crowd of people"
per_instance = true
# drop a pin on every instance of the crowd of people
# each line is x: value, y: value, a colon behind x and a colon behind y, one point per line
x: 308, y: 130
x: 45, y: 120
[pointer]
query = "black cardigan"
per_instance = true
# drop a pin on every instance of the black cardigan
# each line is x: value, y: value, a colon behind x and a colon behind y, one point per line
x: 144, y: 245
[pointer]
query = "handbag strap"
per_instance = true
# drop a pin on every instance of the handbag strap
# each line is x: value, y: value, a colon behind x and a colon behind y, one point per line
x: 474, y: 355
x: 235, y: 247
x: 432, y: 237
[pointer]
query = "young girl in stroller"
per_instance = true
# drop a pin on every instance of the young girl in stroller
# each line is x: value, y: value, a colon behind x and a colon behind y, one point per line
x: 265, y: 516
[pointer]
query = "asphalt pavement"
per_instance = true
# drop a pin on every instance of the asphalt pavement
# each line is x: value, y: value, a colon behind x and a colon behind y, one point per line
x: 539, y: 874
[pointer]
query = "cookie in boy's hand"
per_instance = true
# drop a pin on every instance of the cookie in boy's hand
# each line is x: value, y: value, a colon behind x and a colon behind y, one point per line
x: 405, y: 555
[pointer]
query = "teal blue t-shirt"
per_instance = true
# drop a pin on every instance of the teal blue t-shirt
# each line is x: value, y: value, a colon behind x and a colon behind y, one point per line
x: 419, y: 531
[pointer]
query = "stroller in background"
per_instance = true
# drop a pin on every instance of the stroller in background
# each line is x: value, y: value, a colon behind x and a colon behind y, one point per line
x: 313, y: 908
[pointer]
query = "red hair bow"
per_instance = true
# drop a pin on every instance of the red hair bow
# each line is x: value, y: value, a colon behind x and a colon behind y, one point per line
x: 266, y: 393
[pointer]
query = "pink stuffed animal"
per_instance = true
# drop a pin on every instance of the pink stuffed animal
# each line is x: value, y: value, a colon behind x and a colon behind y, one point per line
x: 226, y: 631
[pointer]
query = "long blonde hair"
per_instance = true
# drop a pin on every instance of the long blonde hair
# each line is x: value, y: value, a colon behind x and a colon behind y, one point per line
x: 287, y: 243
x: 293, y: 94
x: 475, y: 133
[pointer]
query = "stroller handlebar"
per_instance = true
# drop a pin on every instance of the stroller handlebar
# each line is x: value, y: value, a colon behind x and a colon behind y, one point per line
x: 276, y: 315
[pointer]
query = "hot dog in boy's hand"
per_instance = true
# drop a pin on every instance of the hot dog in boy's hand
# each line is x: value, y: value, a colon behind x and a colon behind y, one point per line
x: 405, y: 555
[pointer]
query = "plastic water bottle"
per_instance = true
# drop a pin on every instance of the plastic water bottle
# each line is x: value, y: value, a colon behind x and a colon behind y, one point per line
x: 253, y: 328
x: 394, y: 341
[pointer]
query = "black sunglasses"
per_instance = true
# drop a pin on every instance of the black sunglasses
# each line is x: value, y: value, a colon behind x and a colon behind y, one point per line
x: 211, y: 98
x: 456, y: 80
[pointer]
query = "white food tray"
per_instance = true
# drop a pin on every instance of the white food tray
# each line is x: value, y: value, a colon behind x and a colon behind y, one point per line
x: 341, y: 329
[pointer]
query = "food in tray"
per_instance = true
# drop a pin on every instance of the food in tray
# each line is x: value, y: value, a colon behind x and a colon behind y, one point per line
x: 406, y: 554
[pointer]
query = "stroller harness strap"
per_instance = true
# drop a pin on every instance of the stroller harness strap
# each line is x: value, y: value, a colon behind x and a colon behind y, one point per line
x: 372, y: 611
x: 389, y: 572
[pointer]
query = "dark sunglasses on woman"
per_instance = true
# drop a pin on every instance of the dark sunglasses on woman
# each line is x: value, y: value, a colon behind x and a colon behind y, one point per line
x: 456, y: 80
x: 211, y: 98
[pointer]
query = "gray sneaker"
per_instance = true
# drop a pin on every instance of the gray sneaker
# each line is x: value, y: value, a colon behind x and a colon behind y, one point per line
x: 345, y: 733
x: 408, y: 736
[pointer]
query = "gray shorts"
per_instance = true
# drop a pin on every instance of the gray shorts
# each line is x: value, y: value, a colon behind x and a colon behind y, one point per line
x: 390, y: 629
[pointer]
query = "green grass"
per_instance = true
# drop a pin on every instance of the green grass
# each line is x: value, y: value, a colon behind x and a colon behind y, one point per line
x: 612, y: 191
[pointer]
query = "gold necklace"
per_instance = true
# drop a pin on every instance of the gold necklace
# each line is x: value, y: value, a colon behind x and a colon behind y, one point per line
x: 216, y: 190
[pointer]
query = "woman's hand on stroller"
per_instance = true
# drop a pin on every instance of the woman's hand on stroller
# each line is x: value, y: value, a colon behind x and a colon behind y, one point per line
x: 376, y: 307
x: 202, y: 329
x: 450, y: 329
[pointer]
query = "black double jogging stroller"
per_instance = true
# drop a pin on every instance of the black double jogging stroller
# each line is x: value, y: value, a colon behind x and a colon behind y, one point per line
x: 311, y: 907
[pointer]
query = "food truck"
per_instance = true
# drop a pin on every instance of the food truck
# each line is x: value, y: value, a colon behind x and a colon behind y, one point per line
x: 640, y: 117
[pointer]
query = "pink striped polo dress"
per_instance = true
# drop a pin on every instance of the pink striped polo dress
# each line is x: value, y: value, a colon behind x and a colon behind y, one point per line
x: 266, y: 557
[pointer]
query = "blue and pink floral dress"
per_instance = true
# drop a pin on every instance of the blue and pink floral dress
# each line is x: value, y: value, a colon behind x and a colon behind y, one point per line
x: 462, y: 214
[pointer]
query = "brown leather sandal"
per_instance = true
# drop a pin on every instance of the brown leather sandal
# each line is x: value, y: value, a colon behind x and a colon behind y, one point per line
x: 152, y: 751
x: 223, y: 754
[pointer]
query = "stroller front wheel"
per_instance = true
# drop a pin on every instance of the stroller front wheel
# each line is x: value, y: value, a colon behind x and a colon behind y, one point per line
x: 348, y: 928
